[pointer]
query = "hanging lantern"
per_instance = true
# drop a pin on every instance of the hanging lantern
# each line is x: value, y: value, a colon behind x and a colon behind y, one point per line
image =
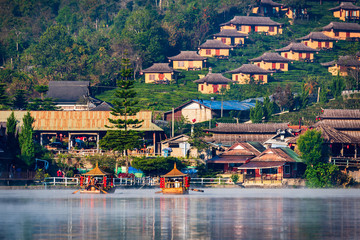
x: 290, y: 145
x: 348, y: 146
x: 330, y: 145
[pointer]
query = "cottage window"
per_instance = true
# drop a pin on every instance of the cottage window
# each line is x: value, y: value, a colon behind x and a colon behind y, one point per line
x: 308, y: 55
x: 319, y: 44
x: 287, y: 169
x: 223, y: 40
x: 286, y: 55
x: 282, y: 66
x: 217, y: 52
x: 181, y: 64
x: 336, y: 34
x: 327, y: 44
x: 202, y: 87
x: 261, y: 78
x: 300, y: 55
x: 271, y: 29
x: 258, y: 64
x: 238, y: 28
x: 306, y: 43
x: 152, y: 77
x: 273, y: 65
x: 208, y: 51
x: 348, y: 34
x: 237, y: 77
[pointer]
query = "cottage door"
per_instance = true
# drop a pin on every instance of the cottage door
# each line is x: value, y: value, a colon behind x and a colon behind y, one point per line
x: 319, y: 44
x: 215, y: 88
x: 273, y: 65
x: 161, y: 76
x: 217, y: 52
x: 191, y: 65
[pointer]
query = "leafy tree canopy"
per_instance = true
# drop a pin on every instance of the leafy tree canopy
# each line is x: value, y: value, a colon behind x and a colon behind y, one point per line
x: 311, y: 147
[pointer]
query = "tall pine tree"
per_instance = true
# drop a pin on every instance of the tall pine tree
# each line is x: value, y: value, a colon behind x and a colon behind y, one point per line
x: 26, y: 141
x: 12, y: 142
x: 123, y: 136
x: 257, y: 113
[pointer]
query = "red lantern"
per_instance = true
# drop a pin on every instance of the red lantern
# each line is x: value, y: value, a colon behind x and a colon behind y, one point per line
x: 330, y: 145
x: 290, y: 145
x: 162, y: 182
x: 194, y: 120
x: 348, y: 146
x: 111, y: 181
x: 104, y: 181
x: 81, y: 181
x: 187, y: 182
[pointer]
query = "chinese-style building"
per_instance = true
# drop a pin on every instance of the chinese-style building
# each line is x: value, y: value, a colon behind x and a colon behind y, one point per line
x: 268, y: 8
x: 246, y: 24
x: 272, y: 61
x: 213, y: 83
x: 318, y: 40
x: 344, y: 66
x: 214, y: 48
x: 297, y: 51
x: 248, y: 72
x: 346, y: 11
x: 231, y: 37
x: 342, y: 31
x: 187, y: 60
x: 159, y: 73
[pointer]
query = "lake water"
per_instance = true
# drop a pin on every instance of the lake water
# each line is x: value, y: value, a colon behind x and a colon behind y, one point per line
x: 214, y: 214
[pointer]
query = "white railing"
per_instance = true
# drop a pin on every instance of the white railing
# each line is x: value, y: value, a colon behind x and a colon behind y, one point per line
x: 61, y: 181
x: 207, y: 181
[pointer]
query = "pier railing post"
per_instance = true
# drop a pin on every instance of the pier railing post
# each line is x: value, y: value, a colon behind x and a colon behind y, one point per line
x: 54, y: 181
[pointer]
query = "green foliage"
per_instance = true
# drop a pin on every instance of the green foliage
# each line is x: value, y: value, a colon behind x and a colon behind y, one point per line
x: 322, y: 175
x: 257, y: 113
x: 268, y: 108
x: 12, y: 141
x: 20, y: 100
x: 106, y: 163
x: 27, y: 145
x: 197, y: 138
x: 311, y: 147
x: 234, y: 178
x: 4, y: 98
x: 203, y: 172
x: 118, y: 140
x: 284, y: 97
x: 157, y: 166
x: 337, y: 86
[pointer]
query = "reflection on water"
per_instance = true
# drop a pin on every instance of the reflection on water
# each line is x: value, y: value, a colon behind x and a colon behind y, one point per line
x: 215, y: 214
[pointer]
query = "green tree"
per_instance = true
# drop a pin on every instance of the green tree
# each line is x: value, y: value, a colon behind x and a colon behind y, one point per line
x: 12, y: 142
x: 4, y: 98
x: 337, y: 86
x: 257, y: 113
x: 322, y: 175
x: 26, y: 141
x: 125, y: 106
x: 20, y: 100
x: 157, y: 166
x: 303, y: 97
x: 268, y: 108
x: 311, y: 147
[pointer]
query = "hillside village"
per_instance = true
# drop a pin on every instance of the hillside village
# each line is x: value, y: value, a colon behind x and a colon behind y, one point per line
x: 239, y: 104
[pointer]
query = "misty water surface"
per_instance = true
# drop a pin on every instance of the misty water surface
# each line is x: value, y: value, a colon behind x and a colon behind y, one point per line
x: 214, y: 214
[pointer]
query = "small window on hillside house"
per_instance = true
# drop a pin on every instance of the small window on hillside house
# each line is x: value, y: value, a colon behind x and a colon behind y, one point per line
x: 327, y: 44
x: 152, y: 77
x: 286, y: 55
x: 208, y: 51
x: 306, y: 43
x: 238, y: 28
x: 282, y: 66
x: 287, y: 169
x: 336, y: 34
x: 181, y: 64
x: 271, y: 29
x: 307, y: 55
x: 348, y: 34
x: 223, y: 40
x: 300, y: 55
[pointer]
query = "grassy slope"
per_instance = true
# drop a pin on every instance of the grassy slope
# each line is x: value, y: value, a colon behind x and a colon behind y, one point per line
x: 163, y: 97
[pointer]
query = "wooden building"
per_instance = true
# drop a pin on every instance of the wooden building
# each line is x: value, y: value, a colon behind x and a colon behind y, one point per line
x: 237, y: 155
x: 159, y: 73
x: 249, y: 72
x: 274, y: 164
x: 213, y: 83
x: 268, y: 8
x: 226, y: 134
x: 214, y: 48
x: 318, y: 40
x: 178, y: 146
x: 81, y: 130
x: 271, y: 61
x: 246, y: 24
x: 344, y: 66
x: 346, y: 11
x: 296, y: 13
x: 205, y: 110
x: 187, y: 60
x: 342, y: 31
x: 231, y: 37
x: 297, y: 51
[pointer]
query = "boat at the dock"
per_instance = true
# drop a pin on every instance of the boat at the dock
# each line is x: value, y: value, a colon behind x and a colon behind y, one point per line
x: 175, y: 182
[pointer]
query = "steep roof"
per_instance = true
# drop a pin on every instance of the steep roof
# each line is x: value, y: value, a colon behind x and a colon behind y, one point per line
x: 214, y: 78
x: 338, y: 26
x: 271, y: 3
x: 239, y: 152
x: 252, y: 21
x: 175, y: 173
x: 248, y: 127
x: 187, y: 56
x: 296, y: 47
x: 249, y: 69
x: 340, y: 114
x: 345, y: 6
x: 270, y: 57
x: 277, y: 155
x: 159, y: 68
x: 230, y: 33
x: 96, y: 171
x: 317, y: 36
x: 68, y: 91
x: 214, y: 44
x: 347, y: 61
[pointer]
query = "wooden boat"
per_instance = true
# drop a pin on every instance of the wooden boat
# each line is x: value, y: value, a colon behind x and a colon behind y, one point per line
x: 175, y: 182
x: 96, y: 181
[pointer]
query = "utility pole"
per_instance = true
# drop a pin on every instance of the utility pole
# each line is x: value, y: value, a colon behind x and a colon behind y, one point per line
x: 172, y: 122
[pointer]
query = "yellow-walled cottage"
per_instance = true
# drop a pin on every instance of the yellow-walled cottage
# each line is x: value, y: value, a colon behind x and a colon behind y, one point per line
x: 248, y: 72
x: 271, y: 61
x: 318, y: 40
x: 268, y: 8
x: 158, y: 73
x: 341, y: 30
x: 346, y: 11
x: 214, y: 48
x: 297, y: 51
x: 231, y: 37
x: 188, y: 60
x: 245, y: 24
x: 213, y: 83
x: 344, y: 66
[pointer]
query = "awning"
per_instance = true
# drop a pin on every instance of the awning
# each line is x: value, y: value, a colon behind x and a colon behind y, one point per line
x: 261, y: 165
